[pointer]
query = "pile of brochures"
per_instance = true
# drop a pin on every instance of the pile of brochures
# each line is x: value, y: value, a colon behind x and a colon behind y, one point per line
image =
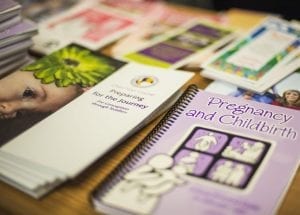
x: 62, y: 145
x: 15, y: 36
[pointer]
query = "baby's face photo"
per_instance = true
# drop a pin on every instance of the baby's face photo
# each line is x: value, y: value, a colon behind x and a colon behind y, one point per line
x: 40, y: 88
x: 49, y: 83
x: 22, y: 92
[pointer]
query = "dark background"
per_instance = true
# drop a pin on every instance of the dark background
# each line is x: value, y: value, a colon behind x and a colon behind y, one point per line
x: 289, y: 9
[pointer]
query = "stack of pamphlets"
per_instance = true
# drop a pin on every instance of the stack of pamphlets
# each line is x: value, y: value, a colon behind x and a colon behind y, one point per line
x: 15, y: 37
x: 9, y: 13
x: 115, y: 99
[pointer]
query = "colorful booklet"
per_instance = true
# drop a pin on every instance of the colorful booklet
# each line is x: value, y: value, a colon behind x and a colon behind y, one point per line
x: 263, y: 55
x: 81, y: 104
x: 181, y: 45
x: 210, y: 154
x: 85, y: 24
x: 285, y: 93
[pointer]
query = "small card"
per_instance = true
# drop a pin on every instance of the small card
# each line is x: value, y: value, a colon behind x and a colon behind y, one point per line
x: 182, y: 45
x: 253, y: 60
x: 86, y: 25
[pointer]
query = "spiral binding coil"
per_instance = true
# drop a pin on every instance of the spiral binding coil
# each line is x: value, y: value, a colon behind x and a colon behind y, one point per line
x: 141, y: 149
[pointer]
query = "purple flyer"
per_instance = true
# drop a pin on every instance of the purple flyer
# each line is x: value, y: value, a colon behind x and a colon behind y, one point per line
x: 166, y: 53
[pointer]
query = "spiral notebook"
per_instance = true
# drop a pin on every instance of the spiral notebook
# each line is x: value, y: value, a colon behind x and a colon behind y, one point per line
x: 210, y: 154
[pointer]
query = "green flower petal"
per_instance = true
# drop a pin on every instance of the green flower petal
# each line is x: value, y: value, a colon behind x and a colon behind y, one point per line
x: 48, y: 80
x: 71, y: 65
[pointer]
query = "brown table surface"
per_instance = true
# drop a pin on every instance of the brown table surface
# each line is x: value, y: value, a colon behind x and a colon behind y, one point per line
x: 72, y: 197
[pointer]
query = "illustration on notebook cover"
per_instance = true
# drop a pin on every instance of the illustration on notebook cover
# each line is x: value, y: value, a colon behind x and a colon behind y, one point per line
x: 212, y: 152
x: 209, y: 155
x: 142, y: 187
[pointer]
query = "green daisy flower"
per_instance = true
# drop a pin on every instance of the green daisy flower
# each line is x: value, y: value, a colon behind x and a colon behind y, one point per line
x: 71, y: 65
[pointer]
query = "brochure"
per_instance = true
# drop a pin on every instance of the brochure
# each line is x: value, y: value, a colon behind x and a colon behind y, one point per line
x: 262, y: 55
x: 94, y: 103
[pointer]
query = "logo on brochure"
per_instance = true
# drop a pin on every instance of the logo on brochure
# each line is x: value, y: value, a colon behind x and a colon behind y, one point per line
x: 144, y: 81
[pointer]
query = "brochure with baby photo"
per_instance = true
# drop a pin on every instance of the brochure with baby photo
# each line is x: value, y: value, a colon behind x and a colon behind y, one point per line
x: 262, y: 55
x: 210, y: 154
x: 59, y: 103
x: 85, y: 24
x: 285, y: 93
x: 182, y: 45
x: 48, y: 84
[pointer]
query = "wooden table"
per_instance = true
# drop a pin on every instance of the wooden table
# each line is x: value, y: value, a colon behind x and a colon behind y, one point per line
x: 73, y: 196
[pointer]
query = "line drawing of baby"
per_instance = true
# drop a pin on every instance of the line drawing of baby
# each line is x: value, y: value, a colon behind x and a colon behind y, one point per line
x: 236, y: 176
x: 252, y: 152
x: 248, y: 152
x: 229, y: 174
x: 140, y: 189
x: 231, y: 152
x: 205, y: 142
x: 189, y: 161
x: 222, y: 172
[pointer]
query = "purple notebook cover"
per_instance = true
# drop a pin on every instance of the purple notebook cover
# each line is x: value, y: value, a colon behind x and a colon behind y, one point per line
x: 212, y: 154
